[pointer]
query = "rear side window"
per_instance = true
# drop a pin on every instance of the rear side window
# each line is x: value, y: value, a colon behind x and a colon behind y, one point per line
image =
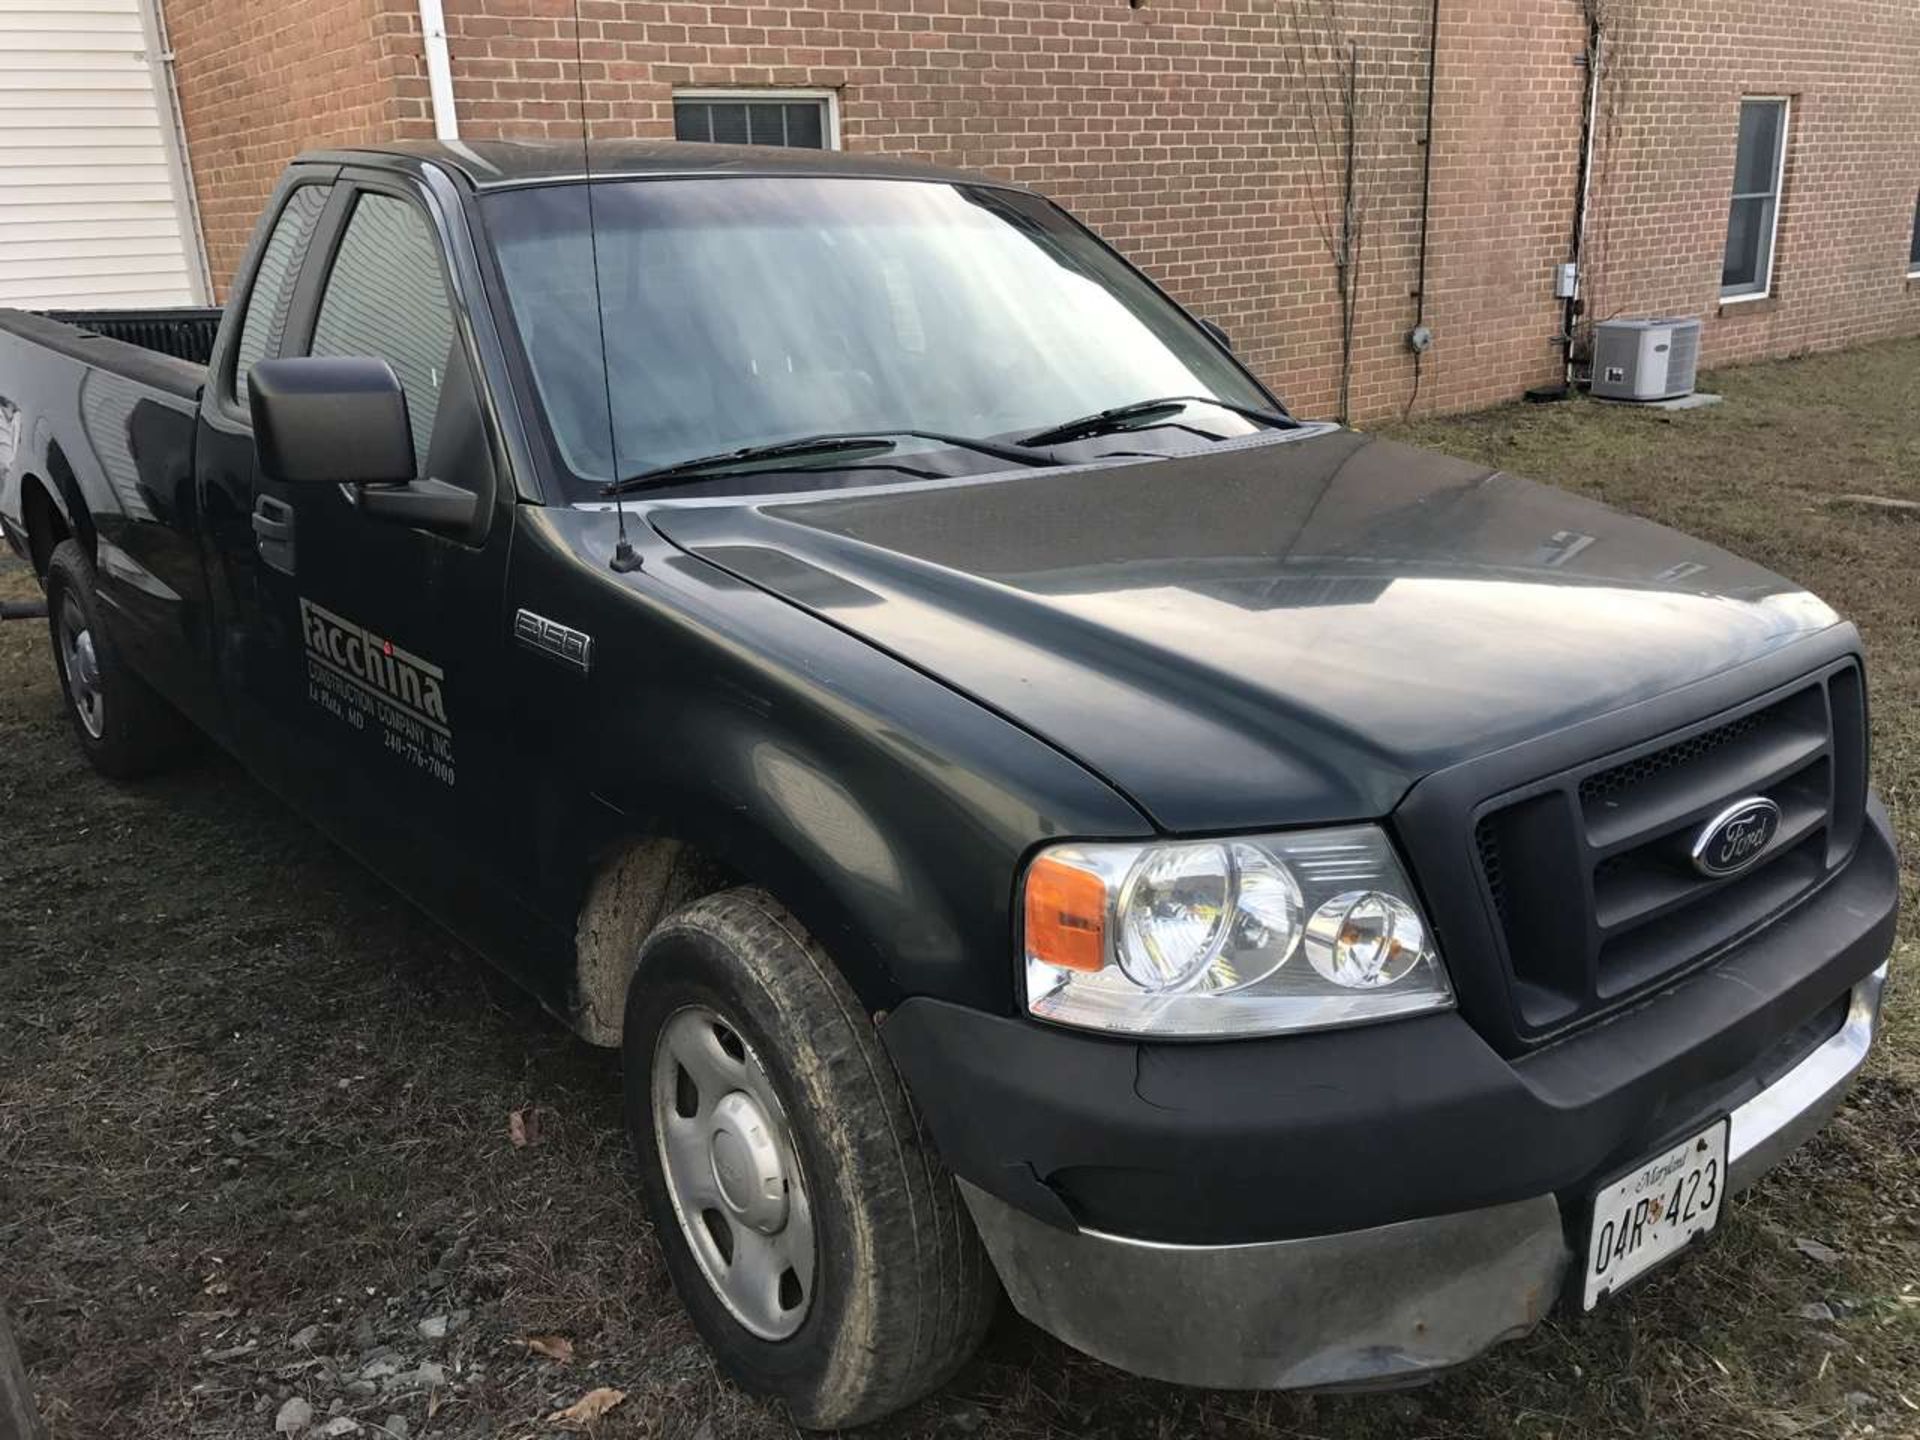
x: 272, y: 290
x: 386, y: 297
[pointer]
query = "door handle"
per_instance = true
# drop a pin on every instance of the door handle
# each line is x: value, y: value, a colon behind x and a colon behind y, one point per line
x: 273, y: 532
x: 272, y: 519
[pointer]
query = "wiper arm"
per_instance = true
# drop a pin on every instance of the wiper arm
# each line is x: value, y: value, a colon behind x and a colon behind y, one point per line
x: 810, y: 447
x: 1123, y: 417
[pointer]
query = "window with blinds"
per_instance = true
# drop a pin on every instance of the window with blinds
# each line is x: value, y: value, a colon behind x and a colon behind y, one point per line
x: 755, y: 118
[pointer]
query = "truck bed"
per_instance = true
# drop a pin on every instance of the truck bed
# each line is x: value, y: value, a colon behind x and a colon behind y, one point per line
x: 98, y: 411
x: 165, y: 349
x: 184, y: 332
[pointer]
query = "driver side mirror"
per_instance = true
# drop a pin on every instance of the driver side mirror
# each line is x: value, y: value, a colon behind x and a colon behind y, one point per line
x: 342, y: 420
x: 1218, y: 331
x: 322, y: 420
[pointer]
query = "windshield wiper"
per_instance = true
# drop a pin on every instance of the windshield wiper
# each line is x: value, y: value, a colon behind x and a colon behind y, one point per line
x: 1126, y: 417
x: 812, y: 447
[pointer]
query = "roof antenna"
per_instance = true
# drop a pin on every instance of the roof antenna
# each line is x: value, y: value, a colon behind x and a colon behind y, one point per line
x: 625, y: 557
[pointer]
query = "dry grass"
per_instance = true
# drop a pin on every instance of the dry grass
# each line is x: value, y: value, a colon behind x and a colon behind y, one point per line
x: 245, y: 1090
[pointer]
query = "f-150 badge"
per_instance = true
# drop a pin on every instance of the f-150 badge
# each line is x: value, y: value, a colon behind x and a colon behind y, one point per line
x: 550, y: 637
x: 359, y: 676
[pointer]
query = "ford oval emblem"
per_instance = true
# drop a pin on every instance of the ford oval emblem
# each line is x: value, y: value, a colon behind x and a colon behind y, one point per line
x: 1736, y: 837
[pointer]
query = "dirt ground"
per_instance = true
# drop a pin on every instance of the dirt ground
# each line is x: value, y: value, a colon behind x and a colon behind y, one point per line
x: 254, y: 1110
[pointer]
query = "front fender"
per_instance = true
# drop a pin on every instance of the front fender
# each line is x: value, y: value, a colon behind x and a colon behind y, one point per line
x: 888, y: 812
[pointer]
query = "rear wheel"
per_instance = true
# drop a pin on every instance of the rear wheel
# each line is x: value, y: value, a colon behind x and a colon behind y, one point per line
x: 814, y: 1236
x: 124, y: 727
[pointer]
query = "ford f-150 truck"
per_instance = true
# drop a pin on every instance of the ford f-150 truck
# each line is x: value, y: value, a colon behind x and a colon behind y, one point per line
x: 1290, y: 909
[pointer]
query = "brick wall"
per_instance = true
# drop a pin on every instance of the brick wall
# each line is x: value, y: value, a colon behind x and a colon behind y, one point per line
x: 261, y: 80
x: 1196, y: 135
x: 1671, y: 102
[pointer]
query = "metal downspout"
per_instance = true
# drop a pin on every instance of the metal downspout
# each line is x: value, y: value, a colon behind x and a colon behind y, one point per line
x: 186, y: 197
x: 433, y: 33
x: 1595, y: 58
x: 1420, y: 337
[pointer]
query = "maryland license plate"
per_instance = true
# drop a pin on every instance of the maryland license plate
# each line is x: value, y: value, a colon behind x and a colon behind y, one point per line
x: 1655, y: 1210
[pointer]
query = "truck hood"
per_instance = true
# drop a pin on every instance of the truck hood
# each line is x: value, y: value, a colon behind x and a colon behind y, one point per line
x: 1274, y: 630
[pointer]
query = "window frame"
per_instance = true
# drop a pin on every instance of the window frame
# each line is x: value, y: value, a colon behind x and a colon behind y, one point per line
x: 1913, y: 243
x: 1778, y: 194
x: 827, y: 99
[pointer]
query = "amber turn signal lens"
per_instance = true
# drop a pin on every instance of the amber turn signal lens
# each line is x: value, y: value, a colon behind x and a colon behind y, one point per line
x: 1066, y: 915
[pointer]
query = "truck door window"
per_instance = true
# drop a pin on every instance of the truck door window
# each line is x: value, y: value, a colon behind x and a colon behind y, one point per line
x: 272, y: 290
x: 386, y: 297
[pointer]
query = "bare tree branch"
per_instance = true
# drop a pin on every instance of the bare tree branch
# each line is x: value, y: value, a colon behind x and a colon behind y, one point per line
x: 1326, y: 68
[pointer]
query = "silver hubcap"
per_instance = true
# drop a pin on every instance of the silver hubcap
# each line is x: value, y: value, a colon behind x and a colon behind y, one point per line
x: 732, y: 1173
x: 82, y: 667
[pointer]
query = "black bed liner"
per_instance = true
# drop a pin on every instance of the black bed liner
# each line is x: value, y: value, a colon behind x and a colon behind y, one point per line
x: 186, y: 333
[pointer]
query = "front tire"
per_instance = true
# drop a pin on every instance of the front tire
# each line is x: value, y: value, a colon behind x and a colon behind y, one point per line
x: 123, y: 725
x: 813, y: 1234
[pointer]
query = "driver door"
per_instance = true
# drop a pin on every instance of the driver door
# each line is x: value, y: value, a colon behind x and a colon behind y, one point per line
x: 389, y: 723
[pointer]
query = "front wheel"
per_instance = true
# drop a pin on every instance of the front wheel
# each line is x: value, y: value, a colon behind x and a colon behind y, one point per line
x: 810, y: 1229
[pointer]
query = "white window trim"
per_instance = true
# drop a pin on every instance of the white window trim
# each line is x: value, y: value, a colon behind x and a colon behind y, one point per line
x: 1785, y: 102
x: 749, y: 93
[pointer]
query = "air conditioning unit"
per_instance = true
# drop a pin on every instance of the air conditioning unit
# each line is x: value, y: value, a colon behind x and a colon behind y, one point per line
x: 1645, y: 359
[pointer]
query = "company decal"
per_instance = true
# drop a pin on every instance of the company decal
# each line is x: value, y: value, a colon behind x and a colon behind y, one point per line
x: 366, y: 681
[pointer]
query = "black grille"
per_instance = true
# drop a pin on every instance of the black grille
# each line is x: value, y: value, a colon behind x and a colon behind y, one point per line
x: 1646, y: 767
x: 1489, y: 843
x: 1589, y: 873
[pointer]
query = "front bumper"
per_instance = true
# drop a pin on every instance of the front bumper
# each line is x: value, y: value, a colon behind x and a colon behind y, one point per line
x: 1293, y: 1136
x: 1383, y: 1305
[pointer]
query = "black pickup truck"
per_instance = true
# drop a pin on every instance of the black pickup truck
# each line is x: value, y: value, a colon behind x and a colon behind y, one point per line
x: 1289, y: 908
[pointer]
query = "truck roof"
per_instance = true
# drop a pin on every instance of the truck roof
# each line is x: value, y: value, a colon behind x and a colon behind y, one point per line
x: 500, y: 164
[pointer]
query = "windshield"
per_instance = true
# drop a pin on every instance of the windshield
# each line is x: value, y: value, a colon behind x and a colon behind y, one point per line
x: 743, y: 311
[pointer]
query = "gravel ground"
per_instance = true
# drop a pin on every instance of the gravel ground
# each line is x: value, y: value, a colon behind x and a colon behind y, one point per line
x: 276, y: 1155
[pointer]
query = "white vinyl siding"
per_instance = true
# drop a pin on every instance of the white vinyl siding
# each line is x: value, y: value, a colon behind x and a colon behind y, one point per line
x: 93, y: 204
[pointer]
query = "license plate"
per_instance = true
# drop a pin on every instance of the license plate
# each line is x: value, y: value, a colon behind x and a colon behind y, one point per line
x: 1654, y: 1210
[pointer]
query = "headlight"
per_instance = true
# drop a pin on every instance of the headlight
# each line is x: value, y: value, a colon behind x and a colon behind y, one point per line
x: 1249, y: 936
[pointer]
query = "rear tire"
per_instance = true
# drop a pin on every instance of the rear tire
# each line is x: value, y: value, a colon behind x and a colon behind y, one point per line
x: 732, y: 995
x: 123, y: 725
